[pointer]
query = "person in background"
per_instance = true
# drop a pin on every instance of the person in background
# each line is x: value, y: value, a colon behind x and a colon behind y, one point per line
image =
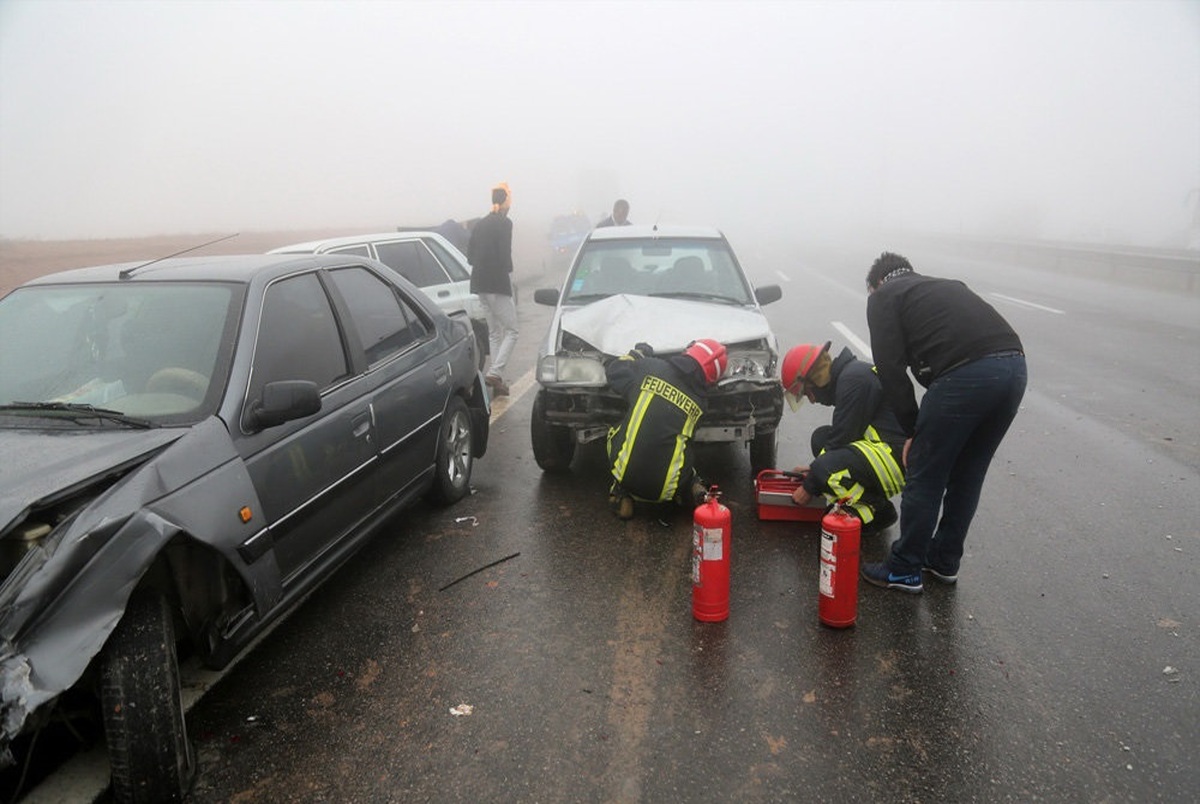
x: 973, y: 366
x: 648, y: 449
x: 857, y: 455
x: 619, y: 216
x: 490, y: 253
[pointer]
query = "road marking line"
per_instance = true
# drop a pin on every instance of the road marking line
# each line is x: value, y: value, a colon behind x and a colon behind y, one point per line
x: 518, y: 389
x: 855, y: 341
x: 783, y: 276
x: 1023, y: 303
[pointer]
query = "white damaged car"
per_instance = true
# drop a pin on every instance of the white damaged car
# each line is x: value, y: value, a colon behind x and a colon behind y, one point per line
x: 665, y: 286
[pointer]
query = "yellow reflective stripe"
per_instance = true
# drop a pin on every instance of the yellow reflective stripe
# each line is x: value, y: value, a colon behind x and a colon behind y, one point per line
x: 631, y: 429
x: 841, y: 491
x: 879, y: 455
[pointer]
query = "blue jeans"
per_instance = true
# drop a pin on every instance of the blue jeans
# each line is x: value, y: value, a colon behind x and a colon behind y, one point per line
x: 963, y: 417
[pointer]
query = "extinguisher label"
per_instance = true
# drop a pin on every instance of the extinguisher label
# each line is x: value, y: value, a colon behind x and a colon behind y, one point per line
x: 827, y: 572
x: 828, y: 543
x: 828, y: 562
x: 714, y: 546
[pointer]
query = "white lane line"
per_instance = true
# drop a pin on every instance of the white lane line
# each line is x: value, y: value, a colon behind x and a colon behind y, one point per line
x: 1023, y: 303
x: 855, y: 341
x: 783, y: 276
x: 518, y: 389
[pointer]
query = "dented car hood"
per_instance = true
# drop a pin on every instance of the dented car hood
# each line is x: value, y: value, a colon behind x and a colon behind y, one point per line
x: 616, y: 324
x: 37, y: 468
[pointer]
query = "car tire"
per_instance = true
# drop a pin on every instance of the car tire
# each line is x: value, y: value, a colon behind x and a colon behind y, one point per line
x: 149, y: 754
x: 452, y: 472
x: 762, y: 452
x: 553, y: 446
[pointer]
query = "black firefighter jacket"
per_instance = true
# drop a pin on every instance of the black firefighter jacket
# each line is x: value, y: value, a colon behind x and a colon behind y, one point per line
x: 648, y: 449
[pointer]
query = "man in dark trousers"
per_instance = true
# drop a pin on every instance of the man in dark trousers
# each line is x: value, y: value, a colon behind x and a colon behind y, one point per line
x: 490, y: 254
x: 648, y: 450
x: 857, y: 455
x: 973, y: 366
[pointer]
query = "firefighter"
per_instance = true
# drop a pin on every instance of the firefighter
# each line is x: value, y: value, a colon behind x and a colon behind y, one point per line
x: 648, y: 450
x: 857, y: 454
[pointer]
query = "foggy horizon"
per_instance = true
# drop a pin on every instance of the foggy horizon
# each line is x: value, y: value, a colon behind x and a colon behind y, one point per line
x: 1075, y: 121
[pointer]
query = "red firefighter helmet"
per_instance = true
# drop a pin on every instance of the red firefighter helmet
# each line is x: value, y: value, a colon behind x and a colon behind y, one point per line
x: 797, y: 363
x: 711, y: 356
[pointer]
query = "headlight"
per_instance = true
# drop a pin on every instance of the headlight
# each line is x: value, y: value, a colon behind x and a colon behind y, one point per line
x: 751, y: 364
x: 571, y: 370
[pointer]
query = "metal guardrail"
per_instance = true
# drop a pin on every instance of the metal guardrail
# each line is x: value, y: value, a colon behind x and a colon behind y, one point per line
x: 1162, y: 269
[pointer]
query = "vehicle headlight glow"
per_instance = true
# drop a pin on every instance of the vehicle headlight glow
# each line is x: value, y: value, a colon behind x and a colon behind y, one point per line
x: 571, y: 370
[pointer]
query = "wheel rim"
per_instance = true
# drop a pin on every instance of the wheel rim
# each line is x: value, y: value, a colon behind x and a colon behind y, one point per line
x: 458, y: 449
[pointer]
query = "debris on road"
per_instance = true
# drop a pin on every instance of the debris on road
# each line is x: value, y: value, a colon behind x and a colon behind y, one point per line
x: 462, y: 710
x: 477, y: 571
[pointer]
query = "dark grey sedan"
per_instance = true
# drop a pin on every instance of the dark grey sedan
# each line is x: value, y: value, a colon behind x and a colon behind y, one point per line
x: 188, y: 447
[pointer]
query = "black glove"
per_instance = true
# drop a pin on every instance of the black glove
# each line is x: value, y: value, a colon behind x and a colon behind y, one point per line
x: 642, y: 350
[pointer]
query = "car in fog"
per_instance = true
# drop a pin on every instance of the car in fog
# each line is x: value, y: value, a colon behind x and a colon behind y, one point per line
x: 664, y: 286
x: 190, y: 446
x: 565, y: 235
x: 425, y: 258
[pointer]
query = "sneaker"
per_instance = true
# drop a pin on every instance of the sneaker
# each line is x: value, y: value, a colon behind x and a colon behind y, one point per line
x: 884, y: 518
x: 496, y: 385
x: 877, y: 573
x: 941, y: 576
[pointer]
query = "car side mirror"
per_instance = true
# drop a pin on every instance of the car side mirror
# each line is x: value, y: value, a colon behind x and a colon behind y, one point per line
x: 768, y: 293
x: 546, y: 296
x: 284, y: 401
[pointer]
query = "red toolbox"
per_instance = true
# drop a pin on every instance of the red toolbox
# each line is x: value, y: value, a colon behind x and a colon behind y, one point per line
x: 773, y: 491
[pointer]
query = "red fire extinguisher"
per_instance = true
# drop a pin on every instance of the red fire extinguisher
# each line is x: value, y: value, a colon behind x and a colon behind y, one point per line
x: 711, y: 533
x: 841, y: 533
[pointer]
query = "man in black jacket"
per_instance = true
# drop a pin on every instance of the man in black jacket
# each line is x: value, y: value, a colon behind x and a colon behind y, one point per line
x: 973, y: 366
x: 648, y: 449
x: 857, y: 455
x: 490, y: 254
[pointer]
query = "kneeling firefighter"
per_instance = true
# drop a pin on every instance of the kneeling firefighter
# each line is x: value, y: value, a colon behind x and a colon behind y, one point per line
x: 648, y: 450
x: 857, y: 455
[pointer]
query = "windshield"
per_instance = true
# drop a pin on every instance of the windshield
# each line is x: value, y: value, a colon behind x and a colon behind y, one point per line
x: 157, y: 351
x: 677, y: 268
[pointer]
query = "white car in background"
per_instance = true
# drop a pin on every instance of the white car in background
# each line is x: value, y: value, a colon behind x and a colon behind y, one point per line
x: 428, y: 260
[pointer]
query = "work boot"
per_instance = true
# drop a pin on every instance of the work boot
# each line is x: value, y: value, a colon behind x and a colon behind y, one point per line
x: 622, y: 505
x: 497, y: 386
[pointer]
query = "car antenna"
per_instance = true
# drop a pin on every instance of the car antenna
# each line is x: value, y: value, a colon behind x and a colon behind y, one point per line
x: 128, y: 272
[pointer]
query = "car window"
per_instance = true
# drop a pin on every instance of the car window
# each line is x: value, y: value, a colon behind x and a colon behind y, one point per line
x: 450, y: 264
x: 362, y: 250
x: 385, y: 323
x: 413, y: 261
x: 148, y: 348
x: 298, y: 338
x: 685, y: 268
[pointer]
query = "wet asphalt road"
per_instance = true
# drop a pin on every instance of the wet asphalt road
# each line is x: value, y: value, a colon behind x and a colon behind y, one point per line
x: 1043, y: 675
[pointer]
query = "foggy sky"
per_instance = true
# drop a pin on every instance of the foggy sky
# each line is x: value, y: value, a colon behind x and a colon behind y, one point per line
x: 1060, y: 120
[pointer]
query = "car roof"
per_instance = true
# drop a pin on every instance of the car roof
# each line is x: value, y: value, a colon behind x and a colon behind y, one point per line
x: 225, y: 268
x: 314, y: 246
x: 655, y: 232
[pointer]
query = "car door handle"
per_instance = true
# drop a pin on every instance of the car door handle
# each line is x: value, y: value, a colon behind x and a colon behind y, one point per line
x: 442, y: 294
x: 441, y: 374
x: 361, y: 425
